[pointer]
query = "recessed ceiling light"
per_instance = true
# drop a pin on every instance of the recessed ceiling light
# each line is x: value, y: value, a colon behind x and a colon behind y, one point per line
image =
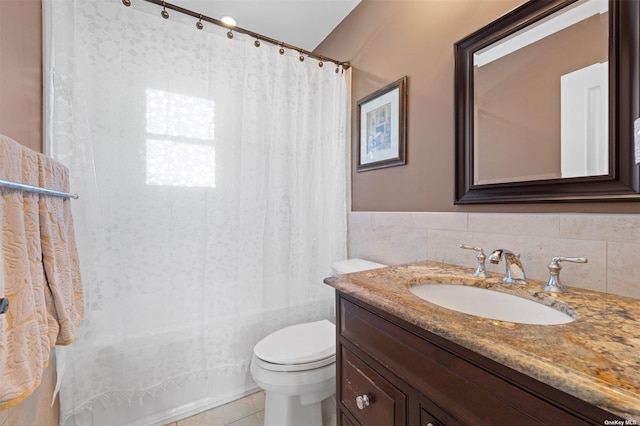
x: 228, y: 20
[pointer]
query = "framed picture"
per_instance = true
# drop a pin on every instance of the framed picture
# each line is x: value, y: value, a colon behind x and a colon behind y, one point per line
x: 382, y: 127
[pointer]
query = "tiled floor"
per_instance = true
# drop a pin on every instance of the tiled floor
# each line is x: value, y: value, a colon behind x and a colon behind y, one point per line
x: 248, y: 411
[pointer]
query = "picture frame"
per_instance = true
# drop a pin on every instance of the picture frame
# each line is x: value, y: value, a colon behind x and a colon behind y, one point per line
x: 382, y: 127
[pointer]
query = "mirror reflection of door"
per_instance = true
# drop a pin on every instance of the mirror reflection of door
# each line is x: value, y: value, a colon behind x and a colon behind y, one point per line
x: 584, y: 122
x: 520, y: 130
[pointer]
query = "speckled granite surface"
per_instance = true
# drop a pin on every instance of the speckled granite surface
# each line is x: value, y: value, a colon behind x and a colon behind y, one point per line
x: 595, y: 358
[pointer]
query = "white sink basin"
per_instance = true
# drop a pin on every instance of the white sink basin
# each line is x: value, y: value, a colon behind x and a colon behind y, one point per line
x: 490, y: 304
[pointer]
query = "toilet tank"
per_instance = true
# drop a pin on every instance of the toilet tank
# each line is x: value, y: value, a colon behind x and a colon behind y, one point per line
x: 354, y: 265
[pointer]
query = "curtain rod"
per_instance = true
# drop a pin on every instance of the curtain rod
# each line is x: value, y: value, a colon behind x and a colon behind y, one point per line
x: 258, y: 37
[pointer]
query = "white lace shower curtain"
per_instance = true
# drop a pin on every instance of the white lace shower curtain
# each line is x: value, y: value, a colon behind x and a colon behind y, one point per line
x: 212, y: 178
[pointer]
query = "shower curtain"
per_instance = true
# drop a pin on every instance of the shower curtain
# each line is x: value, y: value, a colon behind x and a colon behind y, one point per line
x: 212, y: 177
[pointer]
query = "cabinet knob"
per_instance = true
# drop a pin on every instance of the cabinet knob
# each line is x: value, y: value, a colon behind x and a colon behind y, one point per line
x: 362, y: 401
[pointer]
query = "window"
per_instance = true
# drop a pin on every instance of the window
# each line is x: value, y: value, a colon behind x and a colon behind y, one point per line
x: 180, y: 136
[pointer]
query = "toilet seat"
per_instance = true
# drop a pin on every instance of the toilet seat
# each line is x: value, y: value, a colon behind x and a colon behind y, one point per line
x: 294, y: 367
x: 298, y: 347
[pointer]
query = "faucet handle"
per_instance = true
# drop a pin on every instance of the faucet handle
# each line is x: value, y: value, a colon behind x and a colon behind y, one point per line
x: 481, y: 271
x: 554, y: 285
x: 569, y: 259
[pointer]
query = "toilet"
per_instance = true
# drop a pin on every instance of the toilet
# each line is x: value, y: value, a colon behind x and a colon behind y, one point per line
x: 296, y: 366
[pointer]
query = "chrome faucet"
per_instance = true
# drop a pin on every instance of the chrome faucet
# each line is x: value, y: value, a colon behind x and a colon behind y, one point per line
x: 481, y: 271
x: 554, y: 284
x: 515, y: 271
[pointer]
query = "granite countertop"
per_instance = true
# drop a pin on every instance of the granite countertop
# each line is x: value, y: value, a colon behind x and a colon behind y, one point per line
x: 595, y: 358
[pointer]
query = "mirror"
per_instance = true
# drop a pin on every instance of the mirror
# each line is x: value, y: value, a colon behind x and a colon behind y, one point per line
x: 545, y: 100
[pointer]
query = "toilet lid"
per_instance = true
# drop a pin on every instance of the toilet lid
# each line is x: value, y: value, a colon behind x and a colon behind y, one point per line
x: 298, y: 344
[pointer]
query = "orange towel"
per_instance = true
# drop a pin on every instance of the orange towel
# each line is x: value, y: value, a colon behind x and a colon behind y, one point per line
x: 31, y: 326
x: 24, y: 341
x: 59, y: 252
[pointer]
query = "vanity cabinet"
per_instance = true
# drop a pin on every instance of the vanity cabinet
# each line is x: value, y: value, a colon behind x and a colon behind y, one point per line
x: 390, y: 372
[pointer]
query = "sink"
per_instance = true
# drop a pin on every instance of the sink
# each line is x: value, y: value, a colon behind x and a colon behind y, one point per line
x: 490, y: 304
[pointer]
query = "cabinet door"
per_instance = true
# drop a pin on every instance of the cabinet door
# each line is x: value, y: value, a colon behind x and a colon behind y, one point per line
x: 368, y: 396
x: 344, y: 420
x: 427, y: 419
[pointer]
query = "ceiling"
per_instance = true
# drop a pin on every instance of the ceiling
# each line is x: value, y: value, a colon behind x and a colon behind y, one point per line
x: 301, y: 23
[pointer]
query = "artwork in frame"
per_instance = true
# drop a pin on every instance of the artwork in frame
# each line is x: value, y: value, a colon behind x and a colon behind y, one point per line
x: 382, y: 127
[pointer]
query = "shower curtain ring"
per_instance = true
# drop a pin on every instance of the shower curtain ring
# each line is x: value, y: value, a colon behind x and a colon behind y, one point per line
x: 126, y: 2
x: 199, y: 23
x: 164, y: 12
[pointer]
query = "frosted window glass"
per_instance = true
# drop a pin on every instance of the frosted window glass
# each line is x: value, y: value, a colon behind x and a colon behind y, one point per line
x: 172, y: 163
x: 185, y: 155
x: 173, y: 114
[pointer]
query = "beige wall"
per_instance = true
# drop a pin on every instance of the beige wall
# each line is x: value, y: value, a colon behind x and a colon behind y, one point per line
x: 387, y: 39
x: 21, y: 71
x: 21, y: 119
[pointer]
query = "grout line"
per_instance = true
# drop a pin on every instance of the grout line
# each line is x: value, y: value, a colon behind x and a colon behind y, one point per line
x: 606, y: 266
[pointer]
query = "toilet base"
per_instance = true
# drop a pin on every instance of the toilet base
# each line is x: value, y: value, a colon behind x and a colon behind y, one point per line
x: 294, y: 398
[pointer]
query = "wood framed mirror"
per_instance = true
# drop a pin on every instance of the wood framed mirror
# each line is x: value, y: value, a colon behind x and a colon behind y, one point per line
x: 545, y: 102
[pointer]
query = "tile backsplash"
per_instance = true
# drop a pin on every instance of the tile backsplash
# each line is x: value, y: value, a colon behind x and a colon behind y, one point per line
x: 610, y: 242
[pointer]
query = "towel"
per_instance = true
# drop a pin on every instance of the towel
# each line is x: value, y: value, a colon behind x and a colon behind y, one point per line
x: 24, y: 338
x: 59, y: 253
x: 39, y: 271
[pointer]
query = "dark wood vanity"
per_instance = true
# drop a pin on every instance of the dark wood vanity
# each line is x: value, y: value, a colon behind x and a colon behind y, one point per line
x: 405, y: 375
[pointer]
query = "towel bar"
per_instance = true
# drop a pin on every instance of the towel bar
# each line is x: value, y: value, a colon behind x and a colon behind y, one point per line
x: 38, y: 190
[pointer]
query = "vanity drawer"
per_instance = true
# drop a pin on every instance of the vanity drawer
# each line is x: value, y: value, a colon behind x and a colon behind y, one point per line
x: 380, y: 403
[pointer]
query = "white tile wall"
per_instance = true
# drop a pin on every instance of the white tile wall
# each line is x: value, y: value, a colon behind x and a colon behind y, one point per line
x: 610, y: 242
